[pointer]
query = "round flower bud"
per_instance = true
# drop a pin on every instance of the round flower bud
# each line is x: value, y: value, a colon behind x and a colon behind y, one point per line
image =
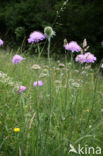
x: 48, y: 31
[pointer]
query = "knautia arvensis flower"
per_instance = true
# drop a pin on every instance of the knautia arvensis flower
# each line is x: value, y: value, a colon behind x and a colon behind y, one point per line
x: 1, y: 42
x: 72, y: 46
x: 85, y: 58
x: 35, y: 37
x: 38, y: 83
x: 16, y: 59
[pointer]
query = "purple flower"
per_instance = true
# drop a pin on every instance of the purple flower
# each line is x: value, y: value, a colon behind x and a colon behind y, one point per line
x: 16, y: 59
x: 38, y: 83
x: 72, y: 46
x: 89, y: 58
x: 1, y: 42
x: 36, y: 36
x: 21, y: 89
x: 85, y: 58
x: 80, y: 58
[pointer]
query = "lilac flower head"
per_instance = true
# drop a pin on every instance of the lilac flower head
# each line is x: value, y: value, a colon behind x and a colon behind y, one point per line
x: 16, y: 59
x: 38, y: 83
x: 1, y: 42
x: 35, y: 37
x: 85, y: 58
x: 89, y: 58
x: 72, y: 46
x: 21, y: 89
x: 80, y: 58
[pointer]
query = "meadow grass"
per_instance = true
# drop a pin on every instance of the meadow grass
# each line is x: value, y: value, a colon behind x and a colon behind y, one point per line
x: 67, y: 109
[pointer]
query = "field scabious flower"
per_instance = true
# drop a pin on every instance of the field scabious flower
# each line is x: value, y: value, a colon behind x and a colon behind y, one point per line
x: 16, y: 129
x: 1, y: 42
x: 38, y: 83
x: 85, y: 58
x: 16, y: 59
x: 80, y: 58
x: 35, y: 37
x: 89, y: 58
x: 72, y: 46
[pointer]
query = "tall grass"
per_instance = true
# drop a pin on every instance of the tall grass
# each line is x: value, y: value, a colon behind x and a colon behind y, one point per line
x: 66, y: 110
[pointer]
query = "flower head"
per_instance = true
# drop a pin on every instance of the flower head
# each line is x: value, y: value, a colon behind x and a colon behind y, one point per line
x: 85, y: 58
x: 21, y: 89
x: 35, y: 37
x: 16, y: 59
x: 35, y: 67
x: 16, y: 129
x: 80, y: 58
x: 38, y: 83
x: 89, y: 58
x: 72, y: 46
x: 1, y: 42
x: 49, y: 32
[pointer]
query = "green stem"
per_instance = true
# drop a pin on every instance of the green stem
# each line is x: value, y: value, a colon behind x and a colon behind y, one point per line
x: 49, y: 40
x: 49, y: 118
x: 38, y: 51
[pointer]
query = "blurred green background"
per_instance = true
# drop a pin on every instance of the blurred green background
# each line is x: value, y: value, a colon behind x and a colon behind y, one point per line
x: 71, y: 19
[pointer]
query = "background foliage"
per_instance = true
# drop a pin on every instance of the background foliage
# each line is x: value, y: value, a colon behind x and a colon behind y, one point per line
x: 75, y: 21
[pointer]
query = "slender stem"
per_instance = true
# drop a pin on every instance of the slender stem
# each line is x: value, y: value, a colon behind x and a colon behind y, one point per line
x: 49, y: 118
x: 38, y: 51
x: 49, y: 40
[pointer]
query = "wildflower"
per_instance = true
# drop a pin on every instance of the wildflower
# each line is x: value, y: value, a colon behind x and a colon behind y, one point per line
x: 35, y: 37
x: 1, y: 42
x: 35, y: 66
x: 75, y: 84
x: 72, y: 46
x: 61, y: 65
x: 21, y: 89
x: 38, y: 83
x: 16, y: 59
x: 80, y: 58
x: 16, y: 129
x: 89, y: 58
x: 85, y: 58
x: 49, y: 32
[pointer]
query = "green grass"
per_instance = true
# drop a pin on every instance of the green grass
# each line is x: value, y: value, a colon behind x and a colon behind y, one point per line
x: 66, y: 110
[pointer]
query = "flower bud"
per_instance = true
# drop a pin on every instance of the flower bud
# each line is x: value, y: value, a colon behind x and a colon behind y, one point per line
x: 48, y: 31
